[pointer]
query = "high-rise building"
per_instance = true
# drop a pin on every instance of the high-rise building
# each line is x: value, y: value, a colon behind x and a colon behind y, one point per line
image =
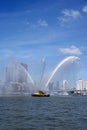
x: 51, y: 84
x: 81, y: 85
x: 24, y: 65
x: 10, y: 73
x: 56, y: 85
x: 65, y: 84
x: 22, y: 73
x: 16, y: 72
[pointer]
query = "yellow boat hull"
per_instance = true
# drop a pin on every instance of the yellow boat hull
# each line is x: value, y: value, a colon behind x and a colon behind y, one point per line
x: 40, y: 94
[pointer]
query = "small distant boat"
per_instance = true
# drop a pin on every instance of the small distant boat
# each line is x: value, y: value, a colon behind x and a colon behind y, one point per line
x: 40, y: 94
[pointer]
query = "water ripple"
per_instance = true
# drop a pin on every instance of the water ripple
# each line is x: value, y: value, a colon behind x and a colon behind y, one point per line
x: 53, y: 113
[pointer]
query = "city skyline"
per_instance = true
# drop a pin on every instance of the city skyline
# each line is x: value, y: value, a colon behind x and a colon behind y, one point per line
x: 32, y: 30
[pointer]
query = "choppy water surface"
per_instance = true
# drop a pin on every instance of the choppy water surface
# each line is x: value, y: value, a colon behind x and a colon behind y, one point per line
x: 47, y: 113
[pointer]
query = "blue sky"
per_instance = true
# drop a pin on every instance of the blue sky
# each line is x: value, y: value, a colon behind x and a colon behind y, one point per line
x: 54, y: 29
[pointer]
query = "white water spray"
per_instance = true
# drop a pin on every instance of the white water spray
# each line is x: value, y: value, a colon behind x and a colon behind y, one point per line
x: 26, y: 73
x: 68, y: 59
x: 43, y: 69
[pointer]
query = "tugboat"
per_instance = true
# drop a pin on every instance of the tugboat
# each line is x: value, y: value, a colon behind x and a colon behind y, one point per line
x: 40, y: 94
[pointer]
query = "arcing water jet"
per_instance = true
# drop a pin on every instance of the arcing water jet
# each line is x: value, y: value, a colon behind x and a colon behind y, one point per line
x: 28, y: 75
x: 68, y: 59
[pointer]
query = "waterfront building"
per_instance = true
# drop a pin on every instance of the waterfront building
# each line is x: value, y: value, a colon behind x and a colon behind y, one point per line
x: 16, y: 72
x: 65, y: 84
x: 51, y: 86
x: 81, y: 85
x: 57, y: 85
x: 22, y: 73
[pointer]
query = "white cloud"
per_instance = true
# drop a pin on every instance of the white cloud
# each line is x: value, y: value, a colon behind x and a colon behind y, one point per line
x: 42, y: 23
x: 71, y: 13
x: 63, y: 19
x: 85, y: 9
x: 68, y: 15
x: 71, y: 50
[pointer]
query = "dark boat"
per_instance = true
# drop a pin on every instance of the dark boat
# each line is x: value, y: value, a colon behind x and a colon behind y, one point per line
x: 40, y: 94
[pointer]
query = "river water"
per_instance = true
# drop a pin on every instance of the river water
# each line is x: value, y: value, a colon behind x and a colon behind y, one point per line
x: 43, y: 113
